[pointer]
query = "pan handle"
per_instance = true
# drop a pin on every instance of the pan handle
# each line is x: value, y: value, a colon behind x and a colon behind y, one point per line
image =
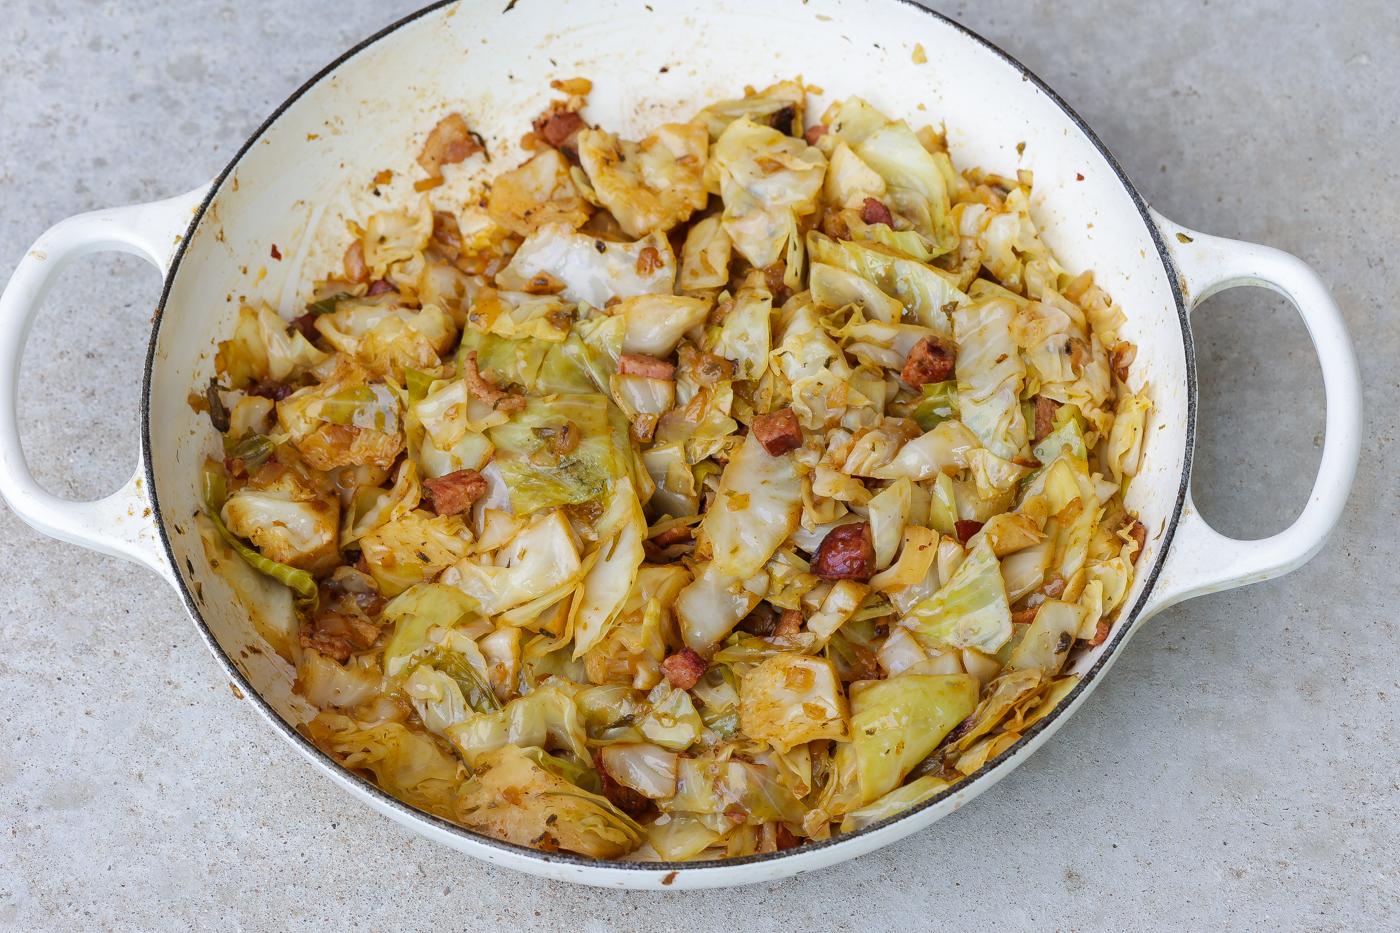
x: 1202, y: 560
x: 122, y: 524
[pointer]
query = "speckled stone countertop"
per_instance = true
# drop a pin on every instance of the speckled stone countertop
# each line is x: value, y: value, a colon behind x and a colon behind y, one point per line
x: 1237, y: 770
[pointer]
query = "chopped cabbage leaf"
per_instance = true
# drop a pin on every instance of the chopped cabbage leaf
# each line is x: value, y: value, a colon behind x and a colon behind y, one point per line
x: 896, y: 723
x: 970, y: 611
x: 592, y: 270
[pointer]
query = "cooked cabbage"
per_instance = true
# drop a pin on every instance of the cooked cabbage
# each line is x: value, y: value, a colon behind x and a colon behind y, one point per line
x: 633, y: 600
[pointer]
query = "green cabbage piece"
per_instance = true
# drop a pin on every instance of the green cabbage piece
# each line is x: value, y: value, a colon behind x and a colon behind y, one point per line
x: 897, y: 723
x: 896, y: 801
x: 410, y: 765
x: 603, y: 455
x: 215, y: 492
x: 514, y: 798
x: 548, y: 715
x: 571, y: 771
x: 940, y: 403
x: 970, y: 611
x: 990, y: 375
x: 416, y: 610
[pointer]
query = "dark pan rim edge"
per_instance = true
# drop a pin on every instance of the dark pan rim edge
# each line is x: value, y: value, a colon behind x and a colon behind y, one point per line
x: 985, y: 776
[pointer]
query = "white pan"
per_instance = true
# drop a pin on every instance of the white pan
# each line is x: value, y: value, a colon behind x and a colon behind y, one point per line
x: 308, y: 169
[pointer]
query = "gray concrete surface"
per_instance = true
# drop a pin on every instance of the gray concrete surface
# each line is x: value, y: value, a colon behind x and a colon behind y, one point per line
x: 1237, y: 771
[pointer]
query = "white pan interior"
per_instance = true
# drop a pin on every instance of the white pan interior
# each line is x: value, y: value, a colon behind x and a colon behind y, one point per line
x: 312, y: 169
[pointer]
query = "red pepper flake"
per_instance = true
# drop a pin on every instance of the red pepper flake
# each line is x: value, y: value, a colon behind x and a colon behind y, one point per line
x: 275, y: 253
x: 1078, y: 177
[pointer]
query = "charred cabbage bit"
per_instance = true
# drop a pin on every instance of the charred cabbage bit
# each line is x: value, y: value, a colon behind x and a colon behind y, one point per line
x: 687, y: 497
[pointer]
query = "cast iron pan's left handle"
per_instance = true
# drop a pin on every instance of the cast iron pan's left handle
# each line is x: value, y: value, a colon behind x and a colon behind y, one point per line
x: 122, y: 524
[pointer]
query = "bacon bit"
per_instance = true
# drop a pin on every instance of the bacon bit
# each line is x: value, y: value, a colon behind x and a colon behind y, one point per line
x: 874, y: 212
x: 1138, y: 532
x: 814, y: 133
x: 1045, y: 409
x: 337, y: 635
x: 355, y: 269
x: 1054, y: 586
x: 736, y: 813
x: 639, y: 364
x: 720, y: 311
x: 684, y: 668
x: 773, y: 278
x: 648, y: 261
x: 307, y: 325
x: 785, y: 120
x: 273, y: 390
x: 966, y: 529
x: 454, y: 493
x: 380, y: 287
x: 1025, y: 616
x: 834, y: 225
x: 562, y: 128
x: 932, y: 359
x: 779, y: 432
x: 1078, y: 177
x: 275, y: 254
x: 235, y: 467
x: 362, y: 565
x: 1123, y: 356
x: 1101, y: 633
x: 449, y: 142
x: 762, y: 621
x: 785, y: 839
x: 789, y: 623
x: 676, y: 534
x: 846, y: 553
x: 866, y: 665
x: 501, y: 401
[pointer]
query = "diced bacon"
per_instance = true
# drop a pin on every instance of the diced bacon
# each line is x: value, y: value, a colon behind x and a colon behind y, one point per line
x: 338, y: 636
x: 684, y: 668
x: 454, y: 493
x: 381, y: 286
x: 785, y: 838
x: 966, y: 529
x: 779, y: 432
x: 639, y: 364
x: 789, y: 623
x: 1101, y: 632
x: 307, y: 325
x: 562, y: 129
x: 814, y: 133
x: 1045, y: 409
x: 785, y: 120
x: 449, y: 142
x: 501, y: 401
x: 931, y: 360
x: 676, y: 534
x: 762, y: 621
x: 874, y: 212
x: 846, y: 553
x: 1025, y: 616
